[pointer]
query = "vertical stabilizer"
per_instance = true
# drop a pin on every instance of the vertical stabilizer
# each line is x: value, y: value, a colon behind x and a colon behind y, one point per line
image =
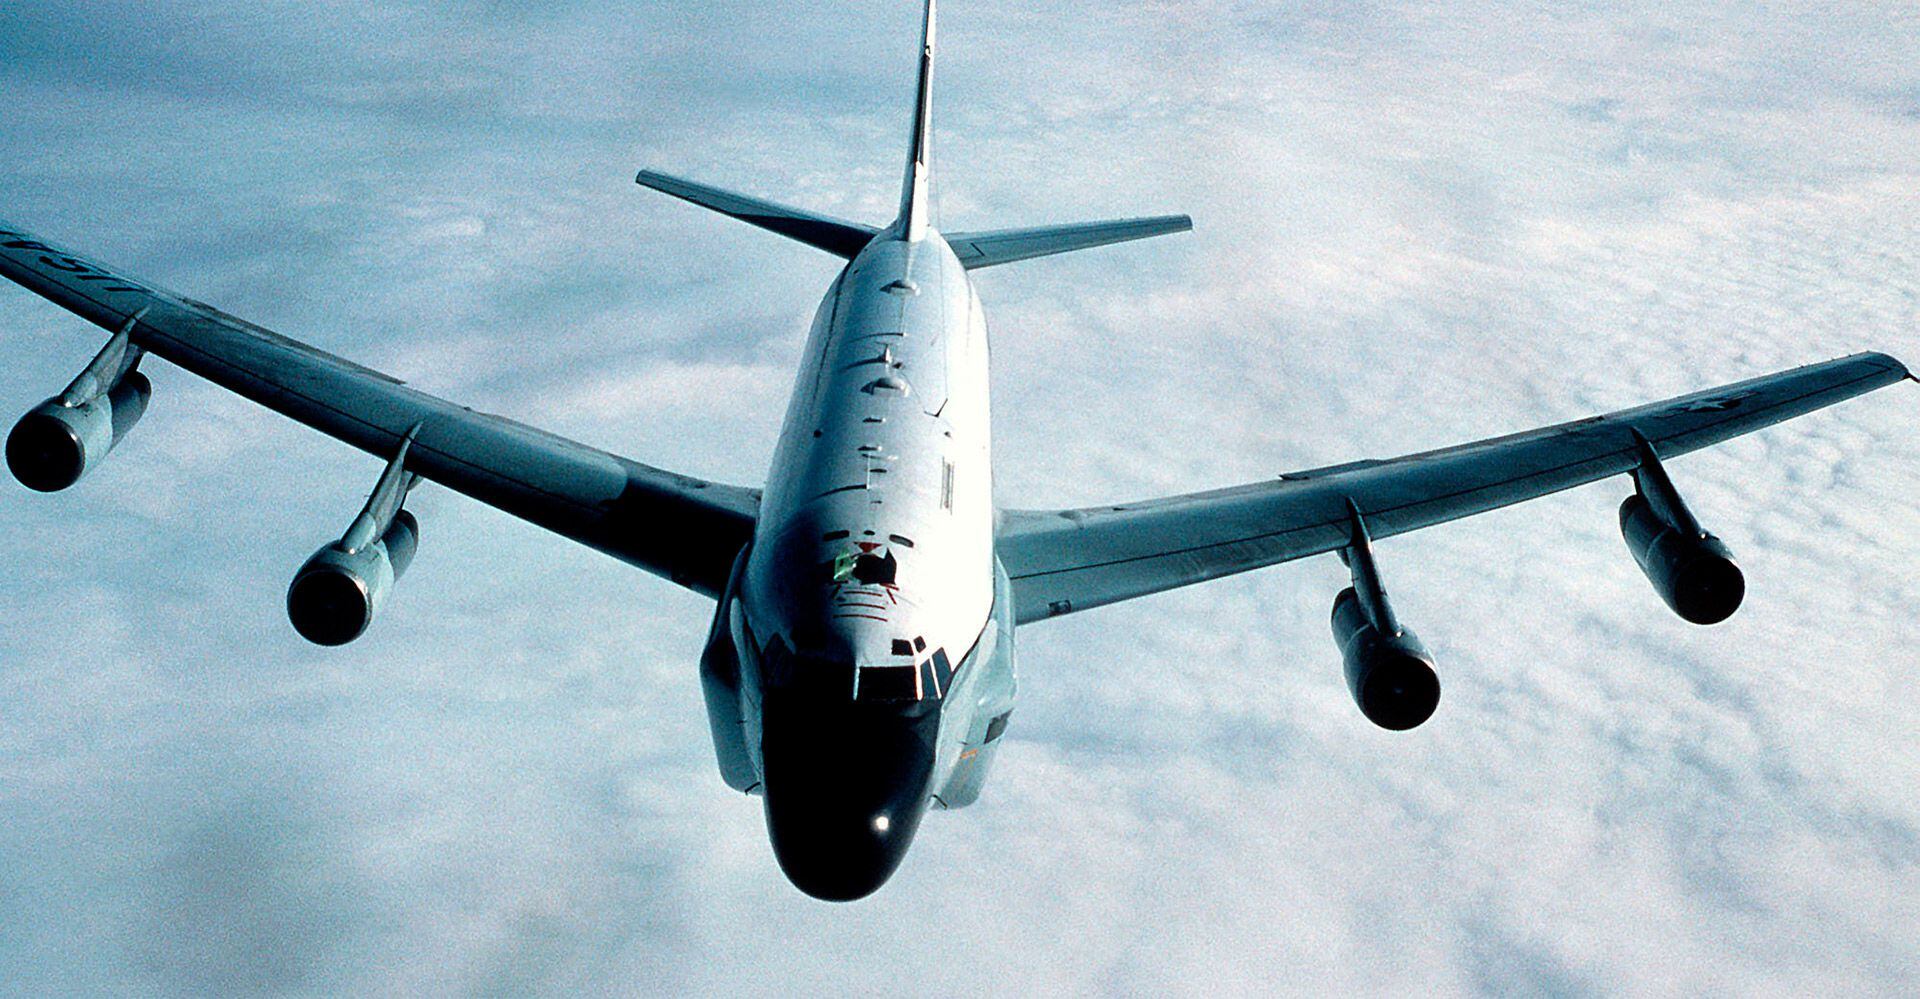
x: 915, y: 198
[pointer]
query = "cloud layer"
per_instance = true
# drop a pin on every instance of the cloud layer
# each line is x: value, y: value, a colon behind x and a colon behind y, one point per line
x: 1416, y: 226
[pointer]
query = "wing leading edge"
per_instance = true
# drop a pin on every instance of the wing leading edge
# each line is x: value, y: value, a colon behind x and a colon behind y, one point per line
x: 685, y: 529
x: 1069, y: 560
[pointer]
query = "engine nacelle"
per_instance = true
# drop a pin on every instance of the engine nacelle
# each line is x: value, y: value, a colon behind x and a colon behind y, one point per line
x: 1691, y: 570
x: 336, y: 594
x: 1391, y: 675
x: 61, y: 439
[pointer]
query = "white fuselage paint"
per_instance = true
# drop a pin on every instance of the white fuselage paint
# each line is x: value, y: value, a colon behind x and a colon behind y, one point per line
x: 886, y: 443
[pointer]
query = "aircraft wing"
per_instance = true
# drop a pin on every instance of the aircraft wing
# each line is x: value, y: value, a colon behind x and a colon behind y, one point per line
x: 1069, y: 560
x: 678, y: 527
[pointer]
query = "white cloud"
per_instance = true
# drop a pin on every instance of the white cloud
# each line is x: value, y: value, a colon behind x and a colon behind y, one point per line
x: 1416, y: 226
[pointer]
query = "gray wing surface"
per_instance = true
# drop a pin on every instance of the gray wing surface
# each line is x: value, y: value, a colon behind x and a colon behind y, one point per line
x: 1069, y: 560
x: 681, y: 528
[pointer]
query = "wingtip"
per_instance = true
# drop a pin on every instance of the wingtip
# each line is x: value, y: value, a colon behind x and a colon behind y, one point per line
x: 654, y: 180
x: 1906, y: 373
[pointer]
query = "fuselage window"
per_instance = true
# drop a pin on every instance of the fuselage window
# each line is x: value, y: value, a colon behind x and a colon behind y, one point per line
x: 946, y: 485
x: 898, y: 540
x: 834, y: 535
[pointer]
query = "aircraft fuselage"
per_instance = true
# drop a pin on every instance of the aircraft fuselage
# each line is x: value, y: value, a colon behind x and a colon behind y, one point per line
x: 869, y: 624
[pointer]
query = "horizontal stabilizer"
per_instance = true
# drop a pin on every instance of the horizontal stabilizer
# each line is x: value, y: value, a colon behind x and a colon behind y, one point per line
x: 1004, y: 246
x: 840, y: 238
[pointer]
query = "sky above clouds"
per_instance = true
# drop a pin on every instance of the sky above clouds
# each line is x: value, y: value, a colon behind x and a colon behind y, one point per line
x: 1416, y: 225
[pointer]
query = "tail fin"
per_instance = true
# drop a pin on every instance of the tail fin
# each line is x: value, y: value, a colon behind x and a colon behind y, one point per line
x: 975, y: 249
x: 830, y: 234
x: 1004, y: 246
x: 916, y: 200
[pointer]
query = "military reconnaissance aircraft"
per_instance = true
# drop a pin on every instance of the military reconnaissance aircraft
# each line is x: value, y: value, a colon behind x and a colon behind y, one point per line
x: 859, y: 668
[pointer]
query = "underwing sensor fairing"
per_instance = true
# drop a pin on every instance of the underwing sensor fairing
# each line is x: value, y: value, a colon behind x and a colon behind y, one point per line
x: 859, y: 668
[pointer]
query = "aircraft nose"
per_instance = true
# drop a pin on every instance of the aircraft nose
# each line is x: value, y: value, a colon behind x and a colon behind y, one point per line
x: 837, y: 853
x: 844, y: 795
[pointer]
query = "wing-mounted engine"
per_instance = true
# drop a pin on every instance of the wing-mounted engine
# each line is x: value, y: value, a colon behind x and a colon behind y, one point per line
x: 1691, y: 569
x: 1390, y: 673
x: 60, y: 439
x: 336, y: 594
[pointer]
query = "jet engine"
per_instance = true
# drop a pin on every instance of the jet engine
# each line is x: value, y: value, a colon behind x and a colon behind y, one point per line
x: 337, y: 593
x: 61, y: 439
x: 1389, y: 672
x: 1691, y: 569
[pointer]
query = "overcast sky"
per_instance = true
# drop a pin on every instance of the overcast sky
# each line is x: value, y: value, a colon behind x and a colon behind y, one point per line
x: 1417, y: 224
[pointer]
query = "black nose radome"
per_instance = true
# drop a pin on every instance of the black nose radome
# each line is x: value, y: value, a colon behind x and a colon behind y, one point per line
x: 846, y: 788
x: 837, y: 853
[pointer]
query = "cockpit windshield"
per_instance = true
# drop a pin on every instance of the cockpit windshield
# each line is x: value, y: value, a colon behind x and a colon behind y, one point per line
x: 926, y: 680
x: 806, y: 675
x: 829, y: 679
x: 889, y: 683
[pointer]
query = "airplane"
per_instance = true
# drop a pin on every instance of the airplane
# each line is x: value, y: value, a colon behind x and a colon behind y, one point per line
x: 859, y: 667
